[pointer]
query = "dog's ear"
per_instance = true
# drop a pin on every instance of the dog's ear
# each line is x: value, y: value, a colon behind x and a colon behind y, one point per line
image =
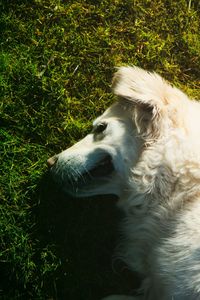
x: 150, y: 95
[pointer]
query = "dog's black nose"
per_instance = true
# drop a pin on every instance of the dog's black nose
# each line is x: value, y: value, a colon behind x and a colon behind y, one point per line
x: 51, y: 161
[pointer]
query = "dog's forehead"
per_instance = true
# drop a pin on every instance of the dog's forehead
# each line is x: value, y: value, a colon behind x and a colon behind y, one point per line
x: 114, y: 112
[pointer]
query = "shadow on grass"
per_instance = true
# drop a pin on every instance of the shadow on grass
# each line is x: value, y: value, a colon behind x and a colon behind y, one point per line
x: 84, y: 234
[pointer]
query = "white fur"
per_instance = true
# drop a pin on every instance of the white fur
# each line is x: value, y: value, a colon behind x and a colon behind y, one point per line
x: 153, y: 138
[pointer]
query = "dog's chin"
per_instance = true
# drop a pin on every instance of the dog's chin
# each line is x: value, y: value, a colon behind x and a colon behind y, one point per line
x: 93, y: 188
x: 91, y: 182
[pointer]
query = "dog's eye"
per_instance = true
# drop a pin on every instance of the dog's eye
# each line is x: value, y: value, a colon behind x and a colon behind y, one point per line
x: 100, y: 128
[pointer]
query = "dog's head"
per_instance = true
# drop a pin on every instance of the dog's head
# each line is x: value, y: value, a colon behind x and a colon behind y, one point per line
x: 99, y: 162
x: 102, y: 162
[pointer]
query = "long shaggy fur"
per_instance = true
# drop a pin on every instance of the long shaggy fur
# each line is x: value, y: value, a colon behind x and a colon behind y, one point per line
x: 152, y: 137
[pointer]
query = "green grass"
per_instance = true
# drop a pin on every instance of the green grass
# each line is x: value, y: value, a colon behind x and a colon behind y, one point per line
x: 56, y: 63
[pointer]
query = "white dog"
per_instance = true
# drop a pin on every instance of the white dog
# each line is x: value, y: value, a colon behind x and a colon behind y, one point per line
x: 145, y: 149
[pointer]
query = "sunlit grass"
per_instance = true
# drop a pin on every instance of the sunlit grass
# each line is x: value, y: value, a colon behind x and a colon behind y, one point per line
x: 56, y: 63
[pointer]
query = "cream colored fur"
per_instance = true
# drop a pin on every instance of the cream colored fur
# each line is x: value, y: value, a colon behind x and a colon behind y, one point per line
x: 153, y: 138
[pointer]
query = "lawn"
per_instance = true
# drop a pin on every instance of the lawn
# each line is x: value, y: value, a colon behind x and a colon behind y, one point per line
x: 56, y: 63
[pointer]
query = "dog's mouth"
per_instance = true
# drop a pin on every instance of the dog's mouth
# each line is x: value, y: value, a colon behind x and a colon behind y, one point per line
x: 104, y: 167
x: 74, y: 181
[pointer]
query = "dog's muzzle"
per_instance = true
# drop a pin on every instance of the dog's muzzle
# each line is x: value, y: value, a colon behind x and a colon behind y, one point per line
x: 75, y: 177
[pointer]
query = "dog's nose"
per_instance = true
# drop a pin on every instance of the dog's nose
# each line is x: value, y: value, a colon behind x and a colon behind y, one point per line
x: 51, y: 161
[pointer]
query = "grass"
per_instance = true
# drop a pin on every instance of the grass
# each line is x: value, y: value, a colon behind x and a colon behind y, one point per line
x: 56, y: 62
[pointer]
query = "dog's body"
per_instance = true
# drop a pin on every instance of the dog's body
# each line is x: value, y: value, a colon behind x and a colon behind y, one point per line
x: 146, y: 149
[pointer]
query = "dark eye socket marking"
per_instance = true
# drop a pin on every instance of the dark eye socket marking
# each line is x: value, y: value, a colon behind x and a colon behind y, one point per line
x: 99, y: 128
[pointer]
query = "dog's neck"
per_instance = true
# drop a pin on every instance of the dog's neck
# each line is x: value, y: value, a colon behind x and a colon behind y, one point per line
x: 159, y: 176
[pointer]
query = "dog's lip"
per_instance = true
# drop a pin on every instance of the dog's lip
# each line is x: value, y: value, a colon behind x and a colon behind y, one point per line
x: 101, y: 168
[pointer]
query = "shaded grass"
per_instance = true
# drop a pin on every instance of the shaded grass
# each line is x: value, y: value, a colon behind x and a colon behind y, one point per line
x: 56, y: 62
